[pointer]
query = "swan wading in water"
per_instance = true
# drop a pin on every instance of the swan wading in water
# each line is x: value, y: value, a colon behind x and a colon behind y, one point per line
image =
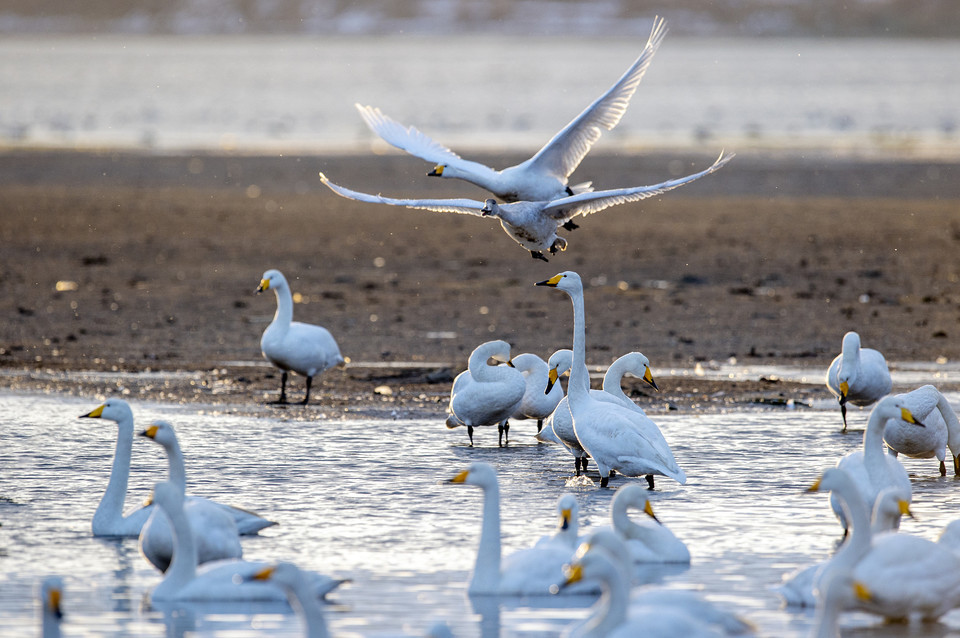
x: 527, y: 572
x: 857, y: 375
x: 544, y: 176
x: 614, y: 435
x: 213, y: 527
x: 291, y: 345
x: 941, y: 429
x: 540, y: 399
x: 484, y: 394
x: 109, y: 519
x: 799, y: 587
x: 872, y: 469
x: 647, y: 543
x: 534, y: 224
x: 223, y: 580
x: 654, y: 613
x: 50, y: 594
x: 295, y: 583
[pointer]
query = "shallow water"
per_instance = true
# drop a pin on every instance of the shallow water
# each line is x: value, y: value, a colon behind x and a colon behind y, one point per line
x: 365, y: 500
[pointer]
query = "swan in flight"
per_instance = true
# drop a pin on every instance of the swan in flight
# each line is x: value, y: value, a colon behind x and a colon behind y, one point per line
x: 872, y: 469
x: 942, y: 429
x: 294, y: 346
x: 213, y: 527
x: 857, y: 375
x: 539, y: 400
x: 295, y: 583
x: 543, y: 177
x: 527, y: 572
x: 534, y: 224
x: 614, y: 435
x: 653, y: 613
x: 50, y: 594
x: 223, y: 580
x: 484, y: 394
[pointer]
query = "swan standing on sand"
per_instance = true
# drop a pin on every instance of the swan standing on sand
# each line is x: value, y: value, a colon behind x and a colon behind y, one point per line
x: 224, y: 580
x: 108, y: 519
x: 296, y: 585
x: 539, y: 400
x: 527, y: 572
x: 534, y: 224
x: 647, y: 543
x: 213, y: 528
x: 544, y: 176
x: 50, y: 594
x: 857, y: 375
x: 612, y: 434
x: 941, y: 429
x: 294, y: 346
x: 484, y: 394
x: 871, y: 469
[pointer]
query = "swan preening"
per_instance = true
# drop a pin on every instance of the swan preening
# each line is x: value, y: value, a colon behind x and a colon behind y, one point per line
x: 615, y: 436
x: 534, y: 224
x: 857, y: 375
x: 487, y: 395
x: 291, y: 345
x: 942, y: 429
x: 543, y: 177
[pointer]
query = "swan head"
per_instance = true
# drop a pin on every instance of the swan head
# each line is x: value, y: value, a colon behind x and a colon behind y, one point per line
x: 51, y: 593
x: 285, y: 574
x: 479, y: 474
x: 271, y: 280
x: 893, y: 407
x: 162, y: 433
x: 635, y: 496
x: 891, y: 505
x: 559, y: 363
x: 593, y: 564
x: 609, y: 541
x: 638, y: 365
x: 111, y: 410
x: 850, y: 347
x: 490, y: 208
x: 567, y: 281
x: 568, y: 509
x: 833, y: 480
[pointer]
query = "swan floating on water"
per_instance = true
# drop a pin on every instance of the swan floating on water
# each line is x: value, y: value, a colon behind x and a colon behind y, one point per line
x: 484, y: 394
x: 527, y: 572
x: 615, y: 436
x: 291, y: 345
x: 857, y: 375
x: 647, y: 543
x: 223, y: 580
x: 539, y: 400
x: 295, y: 583
x: 941, y: 428
x: 871, y: 468
x: 534, y: 224
x: 544, y: 176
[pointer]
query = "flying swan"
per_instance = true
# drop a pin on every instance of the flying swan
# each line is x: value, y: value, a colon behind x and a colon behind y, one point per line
x: 534, y: 224
x: 543, y: 177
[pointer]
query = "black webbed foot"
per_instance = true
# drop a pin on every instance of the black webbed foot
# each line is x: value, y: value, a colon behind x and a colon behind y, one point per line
x: 569, y: 225
x: 536, y: 254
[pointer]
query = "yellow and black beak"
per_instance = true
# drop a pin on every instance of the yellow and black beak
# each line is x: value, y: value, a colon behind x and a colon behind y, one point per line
x: 437, y: 171
x: 573, y: 573
x: 552, y: 377
x: 94, y: 414
x: 648, y: 510
x: 264, y: 285
x: 904, y: 508
x: 844, y: 391
x: 150, y: 432
x: 907, y: 416
x: 53, y: 602
x: 264, y: 574
x: 862, y: 592
x: 648, y: 378
x: 552, y: 282
x: 816, y: 486
x: 460, y: 478
x: 565, y: 517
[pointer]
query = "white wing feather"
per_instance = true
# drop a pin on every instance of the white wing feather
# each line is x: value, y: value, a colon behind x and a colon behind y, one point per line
x: 462, y: 206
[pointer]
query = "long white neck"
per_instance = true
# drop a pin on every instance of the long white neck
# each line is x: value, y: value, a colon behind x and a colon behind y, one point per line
x: 486, y: 570
x: 183, y: 566
x: 826, y: 621
x: 953, y: 425
x: 284, y: 314
x: 480, y: 371
x: 578, y: 388
x: 50, y: 625
x: 110, y: 509
x: 874, y: 458
x: 304, y: 602
x: 620, y: 518
x: 861, y: 536
x: 176, y: 468
x: 850, y: 360
x: 610, y: 611
x: 613, y: 378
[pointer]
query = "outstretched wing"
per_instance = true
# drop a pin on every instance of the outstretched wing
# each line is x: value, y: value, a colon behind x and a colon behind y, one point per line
x: 463, y: 206
x: 585, y: 203
x: 415, y: 142
x: 566, y: 150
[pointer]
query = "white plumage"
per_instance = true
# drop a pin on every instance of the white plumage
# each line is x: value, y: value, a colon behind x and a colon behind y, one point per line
x: 484, y: 394
x: 857, y: 375
x: 942, y: 429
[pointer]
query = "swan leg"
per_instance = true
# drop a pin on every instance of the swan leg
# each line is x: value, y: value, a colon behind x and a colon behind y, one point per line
x: 583, y: 464
x: 569, y: 225
x: 843, y: 413
x: 649, y: 481
x: 943, y: 468
x: 576, y: 465
x: 504, y: 431
x: 283, y: 389
x: 470, y: 434
x: 604, y: 480
x: 536, y: 254
x: 956, y: 465
x: 306, y: 398
x: 539, y: 425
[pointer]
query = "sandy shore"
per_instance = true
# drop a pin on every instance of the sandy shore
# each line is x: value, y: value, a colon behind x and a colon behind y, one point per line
x: 134, y: 262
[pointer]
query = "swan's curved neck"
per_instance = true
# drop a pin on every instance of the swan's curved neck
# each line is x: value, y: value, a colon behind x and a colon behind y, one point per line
x: 826, y: 621
x: 176, y: 468
x: 850, y: 362
x: 183, y: 566
x: 578, y: 387
x: 873, y: 456
x: 861, y: 536
x: 612, y: 379
x: 610, y: 611
x: 486, y: 570
x: 284, y: 314
x: 620, y: 517
x: 303, y: 599
x: 480, y: 371
x: 110, y: 509
x: 953, y: 424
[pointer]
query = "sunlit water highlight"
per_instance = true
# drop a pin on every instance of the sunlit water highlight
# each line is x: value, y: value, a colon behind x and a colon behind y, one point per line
x: 365, y: 500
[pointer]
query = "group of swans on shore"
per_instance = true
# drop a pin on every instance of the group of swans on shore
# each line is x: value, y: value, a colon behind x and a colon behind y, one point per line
x: 539, y: 200
x: 860, y: 376
x: 195, y: 541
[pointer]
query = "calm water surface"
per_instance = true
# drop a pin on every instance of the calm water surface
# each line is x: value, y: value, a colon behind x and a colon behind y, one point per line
x: 365, y: 500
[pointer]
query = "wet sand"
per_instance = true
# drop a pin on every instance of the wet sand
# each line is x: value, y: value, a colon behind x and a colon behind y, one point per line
x: 135, y: 262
